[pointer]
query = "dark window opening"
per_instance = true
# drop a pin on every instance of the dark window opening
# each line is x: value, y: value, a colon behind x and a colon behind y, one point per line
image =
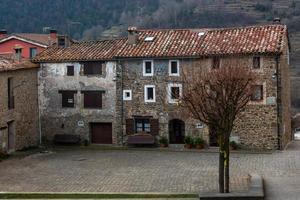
x: 33, y: 52
x: 11, y: 99
x: 18, y: 53
x: 148, y: 67
x: 61, y: 41
x: 92, y: 68
x: 70, y: 70
x: 175, y: 92
x: 257, y: 93
x: 68, y: 100
x: 256, y: 62
x: 216, y: 63
x: 92, y: 99
x: 174, y: 67
x: 142, y: 125
x: 150, y: 93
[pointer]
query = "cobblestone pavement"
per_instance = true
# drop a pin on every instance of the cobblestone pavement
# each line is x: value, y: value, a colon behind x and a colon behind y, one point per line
x: 76, y: 170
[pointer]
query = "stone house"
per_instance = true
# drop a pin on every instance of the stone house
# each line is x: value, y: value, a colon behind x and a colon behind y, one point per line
x: 77, y: 91
x: 19, y: 117
x: 142, y: 84
x: 154, y: 61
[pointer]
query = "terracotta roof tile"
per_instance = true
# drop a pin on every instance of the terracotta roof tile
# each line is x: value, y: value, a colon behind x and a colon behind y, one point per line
x: 176, y: 43
x: 42, y: 39
x: 79, y: 51
x: 189, y: 42
x: 39, y: 38
x: 8, y: 64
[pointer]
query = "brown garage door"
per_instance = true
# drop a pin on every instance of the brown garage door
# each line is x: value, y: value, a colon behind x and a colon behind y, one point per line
x: 101, y: 133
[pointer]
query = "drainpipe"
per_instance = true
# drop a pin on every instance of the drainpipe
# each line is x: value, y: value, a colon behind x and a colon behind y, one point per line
x: 39, y: 106
x: 277, y: 104
x: 122, y: 102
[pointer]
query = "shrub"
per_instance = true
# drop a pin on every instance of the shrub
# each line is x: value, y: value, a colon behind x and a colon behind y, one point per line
x: 163, y: 140
x: 188, y: 140
x: 234, y: 145
x: 199, y: 141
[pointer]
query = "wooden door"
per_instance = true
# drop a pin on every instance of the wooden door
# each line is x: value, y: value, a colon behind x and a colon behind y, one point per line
x: 101, y: 133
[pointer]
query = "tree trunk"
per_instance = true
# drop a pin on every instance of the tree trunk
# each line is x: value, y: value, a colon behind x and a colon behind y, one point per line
x: 221, y: 170
x: 227, y: 165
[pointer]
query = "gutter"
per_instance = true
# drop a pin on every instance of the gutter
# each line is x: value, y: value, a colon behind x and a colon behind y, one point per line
x: 277, y: 58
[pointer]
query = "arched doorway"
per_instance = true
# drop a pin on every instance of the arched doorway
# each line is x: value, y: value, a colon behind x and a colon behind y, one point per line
x: 176, y: 131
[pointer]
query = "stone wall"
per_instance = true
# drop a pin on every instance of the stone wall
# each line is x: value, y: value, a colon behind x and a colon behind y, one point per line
x: 256, y: 127
x: 58, y: 120
x: 286, y: 130
x: 25, y: 112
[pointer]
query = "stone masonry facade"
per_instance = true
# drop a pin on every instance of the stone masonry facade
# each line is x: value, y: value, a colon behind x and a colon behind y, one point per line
x: 141, y: 85
x: 19, y: 127
x: 76, y: 120
x: 256, y: 128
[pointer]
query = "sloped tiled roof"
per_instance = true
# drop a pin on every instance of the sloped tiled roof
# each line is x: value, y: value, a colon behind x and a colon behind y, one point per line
x: 42, y: 39
x: 80, y: 51
x: 9, y: 64
x: 176, y: 43
x: 185, y: 43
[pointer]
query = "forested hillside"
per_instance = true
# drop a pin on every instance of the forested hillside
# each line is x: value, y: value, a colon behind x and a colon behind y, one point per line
x: 95, y: 19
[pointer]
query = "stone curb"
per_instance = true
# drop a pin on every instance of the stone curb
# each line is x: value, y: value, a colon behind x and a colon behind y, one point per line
x: 96, y: 195
x: 96, y: 147
x: 255, y: 192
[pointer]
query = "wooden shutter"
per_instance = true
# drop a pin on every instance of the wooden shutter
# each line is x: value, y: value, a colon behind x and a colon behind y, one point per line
x: 154, y: 126
x: 93, y: 99
x: 129, y: 126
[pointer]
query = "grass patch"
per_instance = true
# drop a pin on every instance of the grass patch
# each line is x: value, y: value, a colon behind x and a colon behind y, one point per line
x: 91, y: 196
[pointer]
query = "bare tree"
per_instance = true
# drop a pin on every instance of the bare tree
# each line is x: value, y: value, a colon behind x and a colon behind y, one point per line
x: 216, y: 97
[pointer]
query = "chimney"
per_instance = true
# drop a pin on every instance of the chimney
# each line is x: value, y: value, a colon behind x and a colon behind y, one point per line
x: 53, y: 34
x: 3, y: 33
x: 132, y: 35
x: 276, y: 20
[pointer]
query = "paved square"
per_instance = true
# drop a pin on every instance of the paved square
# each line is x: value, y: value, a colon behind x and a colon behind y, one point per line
x: 77, y: 170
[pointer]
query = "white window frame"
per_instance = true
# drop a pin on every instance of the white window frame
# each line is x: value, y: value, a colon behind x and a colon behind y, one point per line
x: 170, y: 68
x: 146, y: 94
x: 125, y: 98
x: 170, y: 85
x: 144, y: 68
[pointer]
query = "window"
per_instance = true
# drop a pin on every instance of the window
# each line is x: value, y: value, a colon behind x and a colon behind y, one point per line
x: 148, y: 68
x: 61, y: 41
x: 127, y: 95
x: 92, y: 68
x: 257, y: 93
x: 11, y: 99
x: 256, y: 62
x: 32, y: 52
x: 216, y: 63
x: 174, y: 68
x: 149, y: 93
x: 18, y: 53
x: 149, y: 39
x: 67, y: 98
x: 70, y: 70
x: 93, y: 99
x: 142, y: 125
x: 174, y: 92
